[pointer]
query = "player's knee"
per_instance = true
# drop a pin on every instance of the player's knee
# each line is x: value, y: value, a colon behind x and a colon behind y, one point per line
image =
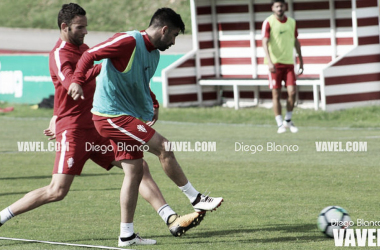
x: 292, y: 94
x: 166, y: 150
x: 56, y: 193
x: 276, y: 94
x: 157, y: 145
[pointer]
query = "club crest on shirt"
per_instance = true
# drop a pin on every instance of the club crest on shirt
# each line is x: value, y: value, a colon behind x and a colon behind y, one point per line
x: 141, y: 128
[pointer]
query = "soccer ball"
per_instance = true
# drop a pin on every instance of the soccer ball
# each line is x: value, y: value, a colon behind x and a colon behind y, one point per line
x: 333, y: 217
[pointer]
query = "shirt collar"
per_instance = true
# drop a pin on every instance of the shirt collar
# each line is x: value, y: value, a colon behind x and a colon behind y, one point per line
x: 73, y: 46
x: 149, y: 46
x: 283, y: 20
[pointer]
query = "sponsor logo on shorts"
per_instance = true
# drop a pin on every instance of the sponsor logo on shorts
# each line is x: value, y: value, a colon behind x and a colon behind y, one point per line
x: 141, y: 128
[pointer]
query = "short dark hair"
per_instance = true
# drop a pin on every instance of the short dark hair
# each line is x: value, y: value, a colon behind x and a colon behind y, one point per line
x: 167, y: 17
x: 69, y: 12
x: 278, y: 1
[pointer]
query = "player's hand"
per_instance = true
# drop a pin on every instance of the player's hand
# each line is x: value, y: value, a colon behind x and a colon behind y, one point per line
x: 75, y: 91
x: 271, y: 67
x: 300, y: 70
x: 50, y: 131
x: 155, y: 118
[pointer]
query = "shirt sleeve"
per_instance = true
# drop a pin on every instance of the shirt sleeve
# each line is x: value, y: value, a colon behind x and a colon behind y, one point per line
x: 93, y: 72
x: 64, y: 70
x: 156, y: 105
x: 265, y: 31
x: 118, y: 49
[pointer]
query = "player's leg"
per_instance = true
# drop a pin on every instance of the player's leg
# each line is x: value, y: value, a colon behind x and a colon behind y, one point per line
x: 131, y: 163
x: 177, y: 224
x: 133, y: 173
x: 167, y: 159
x: 174, y: 171
x: 69, y: 162
x: 148, y: 187
x: 275, y: 84
x: 149, y: 190
x: 133, y: 132
x: 276, y: 96
x: 55, y: 191
x: 291, y: 90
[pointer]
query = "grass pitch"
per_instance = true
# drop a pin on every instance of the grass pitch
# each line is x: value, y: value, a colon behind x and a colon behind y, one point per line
x: 272, y: 197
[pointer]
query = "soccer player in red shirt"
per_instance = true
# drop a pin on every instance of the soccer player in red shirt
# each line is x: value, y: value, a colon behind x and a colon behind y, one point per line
x: 73, y: 127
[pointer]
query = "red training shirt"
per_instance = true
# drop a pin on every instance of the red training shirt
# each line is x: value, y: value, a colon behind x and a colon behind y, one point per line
x: 62, y: 63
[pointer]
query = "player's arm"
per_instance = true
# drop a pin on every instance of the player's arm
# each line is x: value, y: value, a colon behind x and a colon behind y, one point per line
x: 66, y: 77
x: 61, y: 66
x: 118, y: 49
x: 50, y: 131
x: 297, y: 45
x: 93, y: 72
x: 156, y: 106
x: 265, y: 42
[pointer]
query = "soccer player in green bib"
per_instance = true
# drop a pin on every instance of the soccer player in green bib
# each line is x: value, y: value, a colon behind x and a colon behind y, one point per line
x: 280, y: 34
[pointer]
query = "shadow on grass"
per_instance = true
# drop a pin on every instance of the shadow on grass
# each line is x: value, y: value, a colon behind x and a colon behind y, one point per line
x: 49, y: 176
x: 302, y: 233
x: 247, y: 236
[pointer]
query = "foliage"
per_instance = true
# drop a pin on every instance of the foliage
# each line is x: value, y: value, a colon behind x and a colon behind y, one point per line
x: 112, y: 15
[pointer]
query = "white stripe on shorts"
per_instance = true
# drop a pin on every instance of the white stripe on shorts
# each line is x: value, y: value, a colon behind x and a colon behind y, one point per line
x: 63, y: 152
x: 125, y: 132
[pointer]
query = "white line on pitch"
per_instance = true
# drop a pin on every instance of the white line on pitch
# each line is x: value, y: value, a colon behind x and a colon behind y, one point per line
x: 64, y: 244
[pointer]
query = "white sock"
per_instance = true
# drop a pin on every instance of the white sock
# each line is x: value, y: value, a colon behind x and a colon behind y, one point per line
x: 6, y: 215
x: 190, y: 191
x: 288, y: 116
x: 165, y: 212
x: 279, y: 120
x: 126, y: 230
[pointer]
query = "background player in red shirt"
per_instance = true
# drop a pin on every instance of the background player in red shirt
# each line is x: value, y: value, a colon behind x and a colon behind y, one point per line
x: 72, y: 123
x: 279, y: 40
